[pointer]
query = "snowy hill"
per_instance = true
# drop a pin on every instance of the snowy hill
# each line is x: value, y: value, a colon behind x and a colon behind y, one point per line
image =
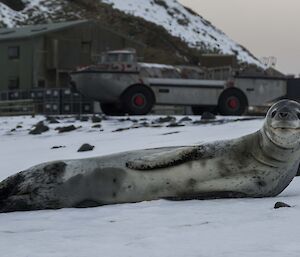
x: 176, y: 19
x: 184, y: 23
x: 13, y: 13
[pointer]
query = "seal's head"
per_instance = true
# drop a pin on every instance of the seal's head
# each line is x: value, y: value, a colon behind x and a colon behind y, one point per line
x: 282, y: 124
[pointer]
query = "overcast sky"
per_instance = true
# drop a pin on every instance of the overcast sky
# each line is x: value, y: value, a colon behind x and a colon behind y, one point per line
x: 265, y: 27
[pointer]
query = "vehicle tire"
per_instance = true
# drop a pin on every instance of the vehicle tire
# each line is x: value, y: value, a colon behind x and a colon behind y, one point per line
x: 111, y: 109
x: 200, y: 109
x: 138, y: 100
x: 232, y: 102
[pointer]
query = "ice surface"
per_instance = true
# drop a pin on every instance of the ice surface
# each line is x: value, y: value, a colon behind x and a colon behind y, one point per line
x: 212, y: 228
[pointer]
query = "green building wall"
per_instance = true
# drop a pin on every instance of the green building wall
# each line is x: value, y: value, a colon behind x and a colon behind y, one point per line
x: 16, y: 69
x: 46, y: 59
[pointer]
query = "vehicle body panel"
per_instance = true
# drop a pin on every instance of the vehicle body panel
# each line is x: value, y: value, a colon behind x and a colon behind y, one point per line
x: 171, y: 85
x: 105, y: 87
x: 186, y: 91
x: 262, y: 90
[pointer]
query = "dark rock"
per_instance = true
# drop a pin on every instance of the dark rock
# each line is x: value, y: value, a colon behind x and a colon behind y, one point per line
x: 144, y: 124
x: 208, y: 116
x: 156, y: 126
x: 58, y: 146
x: 85, y: 148
x: 19, y: 126
x: 124, y: 119
x: 121, y: 129
x: 212, y: 122
x: 244, y: 119
x: 281, y: 205
x: 200, y: 122
x: 13, y: 130
x: 166, y: 119
x: 175, y: 125
x: 66, y: 129
x: 39, y: 128
x: 96, y: 119
x: 84, y: 118
x: 185, y: 119
x: 170, y: 133
x: 97, y: 126
x: 52, y: 120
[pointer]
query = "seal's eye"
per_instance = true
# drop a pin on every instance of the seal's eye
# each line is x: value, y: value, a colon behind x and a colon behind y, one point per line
x: 298, y: 115
x: 273, y: 114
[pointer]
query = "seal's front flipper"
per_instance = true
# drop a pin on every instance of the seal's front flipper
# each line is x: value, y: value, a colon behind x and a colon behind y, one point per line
x: 167, y: 158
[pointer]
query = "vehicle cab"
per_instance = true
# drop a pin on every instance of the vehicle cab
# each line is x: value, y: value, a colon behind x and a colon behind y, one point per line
x: 119, y: 61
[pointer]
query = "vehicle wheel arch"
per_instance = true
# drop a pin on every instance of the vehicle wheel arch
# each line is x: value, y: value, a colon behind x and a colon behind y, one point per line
x: 151, y: 99
x: 233, y: 91
x: 137, y: 85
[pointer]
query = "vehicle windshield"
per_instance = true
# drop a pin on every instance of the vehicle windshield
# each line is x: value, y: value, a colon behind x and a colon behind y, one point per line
x: 126, y: 57
x: 117, y: 57
x: 112, y: 58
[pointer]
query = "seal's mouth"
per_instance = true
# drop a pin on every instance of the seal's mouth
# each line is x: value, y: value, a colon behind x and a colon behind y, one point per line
x: 279, y: 125
x: 285, y: 128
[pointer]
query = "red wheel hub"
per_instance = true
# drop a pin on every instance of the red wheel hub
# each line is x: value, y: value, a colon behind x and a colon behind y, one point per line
x: 139, y: 100
x: 233, y: 103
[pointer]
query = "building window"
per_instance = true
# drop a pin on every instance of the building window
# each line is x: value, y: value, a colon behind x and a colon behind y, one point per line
x: 41, y: 83
x: 86, y: 47
x: 13, y: 83
x: 13, y: 52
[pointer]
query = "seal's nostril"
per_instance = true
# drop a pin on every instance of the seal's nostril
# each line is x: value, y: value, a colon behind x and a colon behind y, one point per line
x: 273, y: 114
x: 298, y: 115
x: 283, y: 115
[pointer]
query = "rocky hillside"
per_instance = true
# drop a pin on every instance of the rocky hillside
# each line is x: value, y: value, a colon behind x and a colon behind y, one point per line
x: 165, y: 26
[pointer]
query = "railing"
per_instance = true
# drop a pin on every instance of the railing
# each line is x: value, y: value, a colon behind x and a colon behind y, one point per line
x: 17, y: 107
x: 219, y: 73
x: 49, y: 101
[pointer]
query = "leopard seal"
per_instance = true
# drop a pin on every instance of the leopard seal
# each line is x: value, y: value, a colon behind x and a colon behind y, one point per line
x: 261, y: 164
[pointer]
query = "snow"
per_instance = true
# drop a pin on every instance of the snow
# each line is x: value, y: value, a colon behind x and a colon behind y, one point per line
x: 180, y: 22
x: 7, y: 15
x: 156, y: 65
x: 212, y: 228
x: 33, y: 8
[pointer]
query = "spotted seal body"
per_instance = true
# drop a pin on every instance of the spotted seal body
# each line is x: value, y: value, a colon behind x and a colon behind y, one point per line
x: 261, y: 164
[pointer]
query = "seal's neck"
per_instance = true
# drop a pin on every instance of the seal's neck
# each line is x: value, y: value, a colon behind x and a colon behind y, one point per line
x: 273, y: 150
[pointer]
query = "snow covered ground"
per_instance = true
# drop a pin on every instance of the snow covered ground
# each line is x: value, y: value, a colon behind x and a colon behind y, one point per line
x: 212, y: 228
